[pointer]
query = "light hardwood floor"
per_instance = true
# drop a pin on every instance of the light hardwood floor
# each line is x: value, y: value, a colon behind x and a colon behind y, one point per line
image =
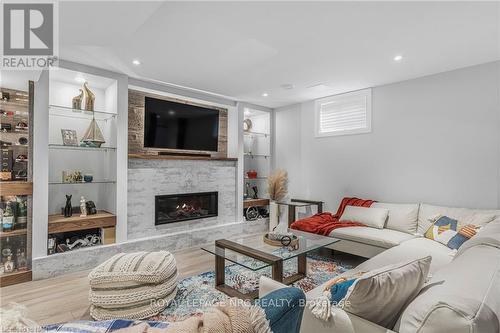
x: 65, y: 298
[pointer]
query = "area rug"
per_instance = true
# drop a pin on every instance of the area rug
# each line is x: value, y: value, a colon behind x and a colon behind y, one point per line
x: 197, y: 293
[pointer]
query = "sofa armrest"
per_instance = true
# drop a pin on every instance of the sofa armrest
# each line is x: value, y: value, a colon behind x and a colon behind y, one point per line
x: 267, y: 285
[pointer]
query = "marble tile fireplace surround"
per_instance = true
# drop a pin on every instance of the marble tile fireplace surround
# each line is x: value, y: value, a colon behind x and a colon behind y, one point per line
x: 153, y: 180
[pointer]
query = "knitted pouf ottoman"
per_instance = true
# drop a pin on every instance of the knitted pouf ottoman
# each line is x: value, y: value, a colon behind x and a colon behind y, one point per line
x: 133, y: 286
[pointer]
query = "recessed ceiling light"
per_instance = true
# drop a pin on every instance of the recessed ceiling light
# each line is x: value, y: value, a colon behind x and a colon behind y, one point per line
x: 398, y: 58
x: 80, y: 79
x: 136, y: 62
x: 287, y: 86
x: 265, y: 94
x: 319, y: 87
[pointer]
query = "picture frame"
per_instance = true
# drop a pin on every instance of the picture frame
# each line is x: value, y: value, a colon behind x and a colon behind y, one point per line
x: 69, y: 137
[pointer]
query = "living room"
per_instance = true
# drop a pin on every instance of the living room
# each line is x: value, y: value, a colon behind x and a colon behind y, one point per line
x: 342, y: 158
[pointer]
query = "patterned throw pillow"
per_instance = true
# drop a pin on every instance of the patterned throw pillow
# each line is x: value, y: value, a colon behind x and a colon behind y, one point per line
x: 444, y: 230
x: 339, y: 290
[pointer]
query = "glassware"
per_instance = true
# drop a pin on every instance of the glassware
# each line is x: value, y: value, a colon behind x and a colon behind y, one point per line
x: 8, y: 218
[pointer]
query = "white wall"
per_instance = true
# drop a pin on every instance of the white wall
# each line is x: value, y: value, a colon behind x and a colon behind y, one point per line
x: 434, y: 139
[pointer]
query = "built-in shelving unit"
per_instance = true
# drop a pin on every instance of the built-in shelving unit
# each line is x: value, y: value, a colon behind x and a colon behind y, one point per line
x: 16, y: 188
x: 255, y: 203
x: 257, y: 157
x: 99, y: 162
x: 59, y: 223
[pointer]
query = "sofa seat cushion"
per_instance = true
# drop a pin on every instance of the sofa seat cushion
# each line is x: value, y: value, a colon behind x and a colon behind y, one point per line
x: 464, y: 216
x: 385, y: 238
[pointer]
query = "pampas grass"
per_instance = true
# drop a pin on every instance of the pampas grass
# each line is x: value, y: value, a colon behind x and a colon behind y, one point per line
x: 277, y: 185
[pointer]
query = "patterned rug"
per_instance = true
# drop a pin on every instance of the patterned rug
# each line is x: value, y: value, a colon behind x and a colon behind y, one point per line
x: 197, y: 293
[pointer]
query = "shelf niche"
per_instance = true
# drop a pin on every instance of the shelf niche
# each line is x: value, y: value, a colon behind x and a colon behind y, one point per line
x: 257, y: 156
x: 100, y: 162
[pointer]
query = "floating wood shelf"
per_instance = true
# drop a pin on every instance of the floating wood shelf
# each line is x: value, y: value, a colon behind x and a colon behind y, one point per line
x: 14, y: 278
x: 20, y: 232
x: 180, y: 157
x: 16, y: 188
x: 255, y: 202
x: 59, y: 223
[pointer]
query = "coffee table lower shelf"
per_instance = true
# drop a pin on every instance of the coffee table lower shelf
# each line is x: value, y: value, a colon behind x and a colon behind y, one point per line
x: 275, y: 262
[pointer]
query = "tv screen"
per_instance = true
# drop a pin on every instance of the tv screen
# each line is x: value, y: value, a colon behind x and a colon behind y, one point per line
x: 172, y: 125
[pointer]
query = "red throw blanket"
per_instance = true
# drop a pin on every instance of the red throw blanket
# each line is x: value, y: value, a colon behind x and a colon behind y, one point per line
x: 324, y: 223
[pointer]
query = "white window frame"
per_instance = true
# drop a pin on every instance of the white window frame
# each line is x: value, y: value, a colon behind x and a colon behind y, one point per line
x: 366, y: 93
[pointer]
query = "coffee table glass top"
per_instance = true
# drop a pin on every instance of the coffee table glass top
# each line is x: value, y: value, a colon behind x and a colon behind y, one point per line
x: 307, y: 242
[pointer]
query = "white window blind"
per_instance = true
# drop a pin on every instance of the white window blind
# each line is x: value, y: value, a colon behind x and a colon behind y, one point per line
x: 344, y: 114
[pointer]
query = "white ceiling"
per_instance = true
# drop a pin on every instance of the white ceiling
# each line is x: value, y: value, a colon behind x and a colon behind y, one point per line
x: 242, y: 49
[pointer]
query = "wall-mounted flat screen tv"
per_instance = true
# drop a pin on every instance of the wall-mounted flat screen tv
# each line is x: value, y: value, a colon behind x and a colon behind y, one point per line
x: 172, y: 125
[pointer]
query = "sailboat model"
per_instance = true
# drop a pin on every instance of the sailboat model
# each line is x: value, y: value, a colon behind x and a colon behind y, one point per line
x: 93, y: 136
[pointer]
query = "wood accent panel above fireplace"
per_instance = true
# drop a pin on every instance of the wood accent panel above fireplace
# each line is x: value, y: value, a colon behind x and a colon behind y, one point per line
x: 136, y: 101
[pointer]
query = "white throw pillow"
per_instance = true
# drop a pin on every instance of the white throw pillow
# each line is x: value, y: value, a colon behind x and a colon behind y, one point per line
x: 402, y: 217
x: 372, y: 217
x: 380, y: 295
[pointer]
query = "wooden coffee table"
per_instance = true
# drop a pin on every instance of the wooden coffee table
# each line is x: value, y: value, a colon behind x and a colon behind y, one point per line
x: 254, y: 254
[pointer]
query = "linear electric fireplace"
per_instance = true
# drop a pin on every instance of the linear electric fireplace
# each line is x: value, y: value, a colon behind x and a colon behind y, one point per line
x: 183, y: 207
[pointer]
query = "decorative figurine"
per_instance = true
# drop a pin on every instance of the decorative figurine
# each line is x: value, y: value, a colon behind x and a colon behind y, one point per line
x: 83, y: 207
x: 255, y: 192
x: 89, y: 97
x: 76, y: 102
x: 72, y: 176
x: 93, y: 136
x: 68, y: 209
x: 8, y: 265
x: 247, y: 190
x: 77, y: 177
x: 91, y: 209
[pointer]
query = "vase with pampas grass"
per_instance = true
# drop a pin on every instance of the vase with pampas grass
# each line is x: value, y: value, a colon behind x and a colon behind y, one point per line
x: 277, y: 187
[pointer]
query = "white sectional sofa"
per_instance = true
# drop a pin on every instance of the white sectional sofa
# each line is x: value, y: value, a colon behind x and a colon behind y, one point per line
x: 463, y: 291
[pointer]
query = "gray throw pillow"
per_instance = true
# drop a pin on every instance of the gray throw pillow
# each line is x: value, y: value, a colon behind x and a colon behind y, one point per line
x: 380, y: 295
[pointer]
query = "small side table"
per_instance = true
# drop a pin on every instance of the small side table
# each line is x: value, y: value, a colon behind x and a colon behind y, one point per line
x: 294, y: 203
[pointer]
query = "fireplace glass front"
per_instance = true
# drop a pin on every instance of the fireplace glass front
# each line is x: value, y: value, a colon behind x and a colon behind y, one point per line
x: 186, y: 206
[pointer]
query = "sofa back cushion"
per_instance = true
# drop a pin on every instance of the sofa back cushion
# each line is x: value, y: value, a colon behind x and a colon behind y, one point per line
x: 463, y: 296
x: 402, y: 217
x: 371, y: 217
x: 464, y: 216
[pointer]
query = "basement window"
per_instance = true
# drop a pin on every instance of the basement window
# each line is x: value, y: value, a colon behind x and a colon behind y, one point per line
x: 344, y: 114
